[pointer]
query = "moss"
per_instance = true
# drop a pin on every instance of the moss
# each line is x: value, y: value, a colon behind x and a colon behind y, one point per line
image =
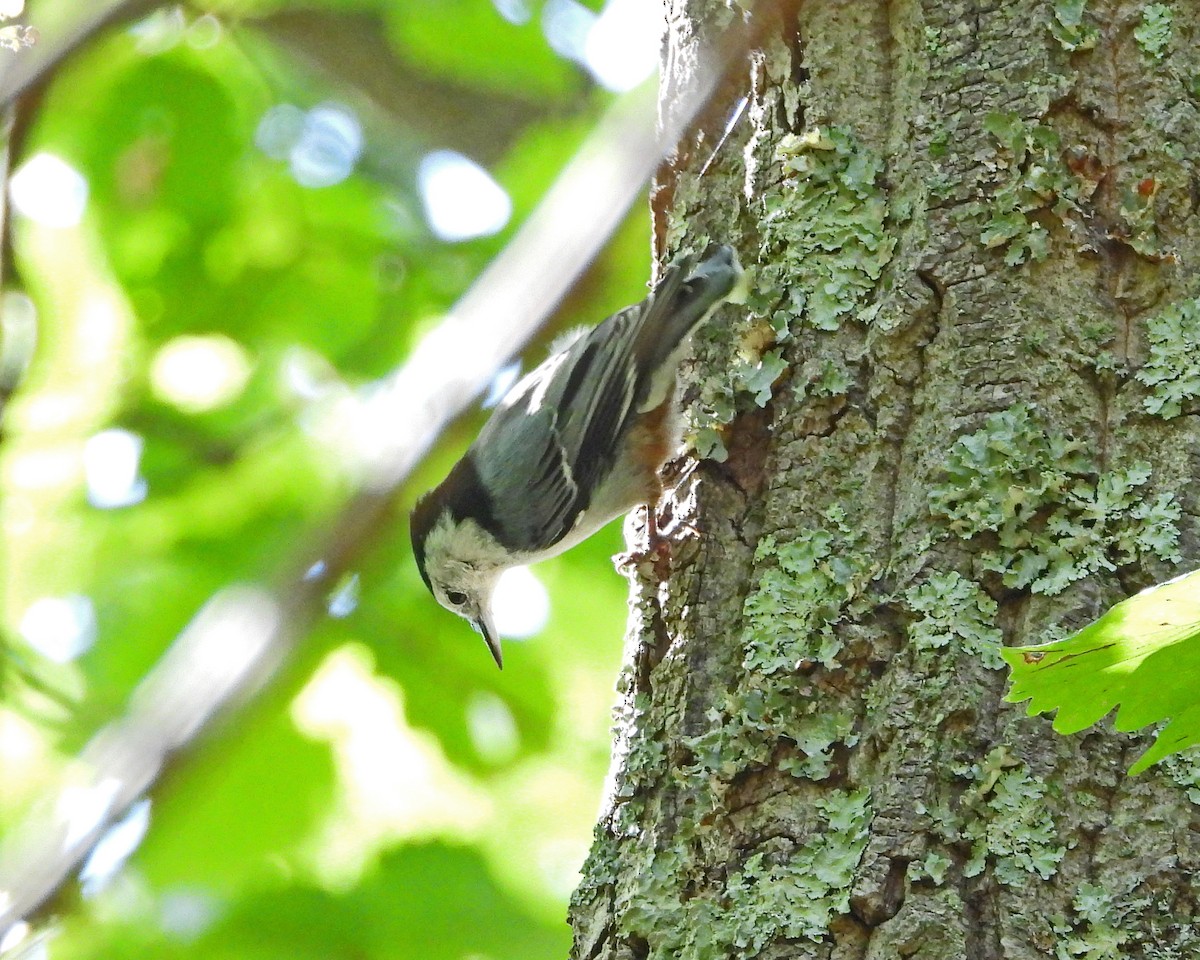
x: 1053, y: 515
x: 1153, y: 34
x: 1012, y: 829
x: 955, y: 610
x: 1173, y: 371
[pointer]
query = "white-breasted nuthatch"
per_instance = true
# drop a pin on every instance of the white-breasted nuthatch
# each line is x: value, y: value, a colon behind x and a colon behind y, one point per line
x: 576, y: 443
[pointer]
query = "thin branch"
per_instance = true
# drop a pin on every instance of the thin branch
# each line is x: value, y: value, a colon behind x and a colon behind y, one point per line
x: 20, y: 70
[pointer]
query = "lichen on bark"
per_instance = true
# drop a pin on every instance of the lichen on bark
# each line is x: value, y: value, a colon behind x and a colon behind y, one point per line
x: 971, y: 225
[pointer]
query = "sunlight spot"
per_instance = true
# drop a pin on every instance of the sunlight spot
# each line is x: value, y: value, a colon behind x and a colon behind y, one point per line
x: 20, y: 743
x: 279, y: 130
x: 41, y: 469
x: 415, y: 793
x: 49, y: 191
x: 60, y: 628
x: 520, y: 605
x: 15, y: 935
x: 18, y: 336
x: 111, y: 459
x: 329, y: 148
x: 566, y: 24
x: 306, y: 374
x: 100, y: 327
x: 205, y: 32
x: 186, y: 914
x: 322, y: 145
x: 461, y: 199
x: 559, y: 862
x: 492, y: 727
x: 114, y: 848
x: 502, y: 382
x: 83, y: 809
x: 344, y: 599
x: 160, y: 31
x: 514, y: 11
x: 622, y: 46
x: 11, y: 8
x: 199, y: 373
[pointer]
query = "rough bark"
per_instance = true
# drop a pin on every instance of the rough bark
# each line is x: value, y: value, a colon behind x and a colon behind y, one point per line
x: 944, y: 430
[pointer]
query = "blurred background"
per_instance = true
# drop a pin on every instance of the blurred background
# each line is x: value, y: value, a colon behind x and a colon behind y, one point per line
x: 228, y: 221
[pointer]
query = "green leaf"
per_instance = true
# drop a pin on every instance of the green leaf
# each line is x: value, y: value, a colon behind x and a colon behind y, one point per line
x: 1143, y: 655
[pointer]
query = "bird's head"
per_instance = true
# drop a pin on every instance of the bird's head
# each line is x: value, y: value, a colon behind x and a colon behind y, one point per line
x: 460, y: 563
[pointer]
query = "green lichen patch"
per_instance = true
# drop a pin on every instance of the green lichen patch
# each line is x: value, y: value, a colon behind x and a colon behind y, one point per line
x: 1013, y: 830
x: 933, y: 866
x: 1054, y: 517
x: 785, y: 890
x: 1036, y: 182
x: 1153, y: 34
x: 823, y: 377
x: 1139, y: 217
x: 955, y: 610
x: 802, y: 589
x: 795, y: 895
x: 1173, y: 371
x: 824, y: 227
x: 825, y: 247
x: 1093, y: 932
x: 743, y: 385
x: 1184, y: 771
x: 752, y: 725
x: 1071, y: 28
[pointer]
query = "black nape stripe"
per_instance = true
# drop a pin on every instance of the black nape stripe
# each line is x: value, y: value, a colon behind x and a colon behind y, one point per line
x: 467, y: 497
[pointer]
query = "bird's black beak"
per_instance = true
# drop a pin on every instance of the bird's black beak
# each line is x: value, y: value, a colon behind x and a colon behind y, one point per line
x: 490, y: 638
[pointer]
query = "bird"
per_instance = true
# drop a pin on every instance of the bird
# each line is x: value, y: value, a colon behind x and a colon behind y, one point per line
x: 574, y: 444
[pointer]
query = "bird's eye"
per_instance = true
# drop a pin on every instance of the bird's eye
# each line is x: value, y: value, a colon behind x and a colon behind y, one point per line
x: 456, y: 598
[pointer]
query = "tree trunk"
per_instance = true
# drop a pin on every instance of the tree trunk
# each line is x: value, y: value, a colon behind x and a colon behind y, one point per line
x: 969, y: 223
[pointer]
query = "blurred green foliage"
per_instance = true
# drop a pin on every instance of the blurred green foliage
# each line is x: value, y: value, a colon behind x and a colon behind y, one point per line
x: 390, y: 794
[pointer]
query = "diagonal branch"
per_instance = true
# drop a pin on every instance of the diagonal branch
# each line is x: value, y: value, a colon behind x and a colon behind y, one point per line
x: 243, y: 633
x: 21, y: 70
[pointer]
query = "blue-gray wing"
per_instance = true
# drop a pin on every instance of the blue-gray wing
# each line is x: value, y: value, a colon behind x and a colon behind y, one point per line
x: 556, y: 435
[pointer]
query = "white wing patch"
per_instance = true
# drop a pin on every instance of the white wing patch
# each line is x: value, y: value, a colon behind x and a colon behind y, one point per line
x: 532, y: 387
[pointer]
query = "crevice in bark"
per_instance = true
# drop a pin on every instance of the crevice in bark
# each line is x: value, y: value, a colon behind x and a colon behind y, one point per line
x: 789, y: 12
x: 981, y: 928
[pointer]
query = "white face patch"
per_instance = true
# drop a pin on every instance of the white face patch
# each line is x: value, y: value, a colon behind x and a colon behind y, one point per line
x: 462, y: 562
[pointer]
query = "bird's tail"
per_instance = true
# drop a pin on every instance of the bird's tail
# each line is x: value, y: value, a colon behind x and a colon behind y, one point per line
x: 688, y: 292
